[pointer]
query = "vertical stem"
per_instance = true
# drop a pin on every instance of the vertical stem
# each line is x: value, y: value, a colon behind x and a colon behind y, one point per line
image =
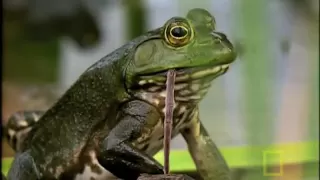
x: 257, y: 71
x: 135, y: 18
x: 313, y: 60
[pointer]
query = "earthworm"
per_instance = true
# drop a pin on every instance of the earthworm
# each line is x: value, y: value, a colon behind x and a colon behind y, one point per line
x: 169, y: 105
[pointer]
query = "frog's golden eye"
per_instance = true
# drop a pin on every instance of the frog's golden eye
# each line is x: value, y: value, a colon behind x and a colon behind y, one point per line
x: 178, y: 33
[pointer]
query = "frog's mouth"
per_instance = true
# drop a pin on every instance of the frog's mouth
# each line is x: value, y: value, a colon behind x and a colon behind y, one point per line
x: 185, y: 74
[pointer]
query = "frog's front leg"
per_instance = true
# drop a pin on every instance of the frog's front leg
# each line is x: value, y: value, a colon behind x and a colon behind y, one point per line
x: 118, y: 155
x: 208, y: 159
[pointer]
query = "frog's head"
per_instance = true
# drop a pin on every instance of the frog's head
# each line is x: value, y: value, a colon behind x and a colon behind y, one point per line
x: 189, y: 45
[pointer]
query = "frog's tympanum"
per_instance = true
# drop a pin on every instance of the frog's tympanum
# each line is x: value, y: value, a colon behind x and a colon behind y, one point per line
x: 110, y: 121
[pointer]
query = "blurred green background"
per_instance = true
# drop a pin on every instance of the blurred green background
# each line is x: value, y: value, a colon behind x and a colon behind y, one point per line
x: 267, y: 102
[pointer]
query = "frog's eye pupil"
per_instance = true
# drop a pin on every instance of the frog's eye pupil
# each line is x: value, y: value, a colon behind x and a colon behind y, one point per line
x: 178, y: 32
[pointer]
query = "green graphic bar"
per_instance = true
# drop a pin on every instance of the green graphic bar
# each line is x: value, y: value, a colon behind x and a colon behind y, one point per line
x: 237, y: 156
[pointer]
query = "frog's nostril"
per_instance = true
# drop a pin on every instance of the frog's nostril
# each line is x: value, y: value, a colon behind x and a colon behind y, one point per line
x: 217, y: 41
x: 219, y: 35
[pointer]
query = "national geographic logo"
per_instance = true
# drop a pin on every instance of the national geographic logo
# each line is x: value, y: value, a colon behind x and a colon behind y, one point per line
x: 272, y: 163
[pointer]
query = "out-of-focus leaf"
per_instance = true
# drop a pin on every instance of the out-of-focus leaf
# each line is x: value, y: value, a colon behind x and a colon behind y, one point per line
x: 46, y: 20
x: 55, y: 18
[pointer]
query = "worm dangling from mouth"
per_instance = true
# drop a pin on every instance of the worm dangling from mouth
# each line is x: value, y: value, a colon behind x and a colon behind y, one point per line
x: 169, y: 105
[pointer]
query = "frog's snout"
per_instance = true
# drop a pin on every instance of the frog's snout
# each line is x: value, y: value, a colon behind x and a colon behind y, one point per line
x: 227, y: 48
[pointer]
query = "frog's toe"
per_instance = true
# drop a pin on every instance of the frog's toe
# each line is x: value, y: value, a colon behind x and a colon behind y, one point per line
x: 19, y: 126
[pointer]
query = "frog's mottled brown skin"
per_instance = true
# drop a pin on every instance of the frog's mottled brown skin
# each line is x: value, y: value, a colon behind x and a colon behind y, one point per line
x: 111, y: 118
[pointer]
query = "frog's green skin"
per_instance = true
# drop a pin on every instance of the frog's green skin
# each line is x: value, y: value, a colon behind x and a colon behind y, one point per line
x: 111, y: 118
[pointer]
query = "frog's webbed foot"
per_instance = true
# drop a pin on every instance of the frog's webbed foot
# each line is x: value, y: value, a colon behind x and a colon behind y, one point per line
x: 23, y: 167
x: 118, y: 155
x: 19, y: 125
x: 126, y: 162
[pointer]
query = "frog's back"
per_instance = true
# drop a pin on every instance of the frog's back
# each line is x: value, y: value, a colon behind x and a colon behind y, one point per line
x: 57, y: 141
x: 91, y: 91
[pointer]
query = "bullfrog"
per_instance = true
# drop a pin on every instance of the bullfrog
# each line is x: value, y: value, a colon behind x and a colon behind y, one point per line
x: 110, y: 121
